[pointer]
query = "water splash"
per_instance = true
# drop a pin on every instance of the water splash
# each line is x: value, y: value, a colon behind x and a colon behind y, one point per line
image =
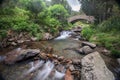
x: 45, y: 72
x: 59, y: 75
x: 64, y: 35
x: 34, y: 66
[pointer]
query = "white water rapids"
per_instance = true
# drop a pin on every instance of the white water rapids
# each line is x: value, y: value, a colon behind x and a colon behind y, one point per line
x: 64, y: 35
x: 46, y: 71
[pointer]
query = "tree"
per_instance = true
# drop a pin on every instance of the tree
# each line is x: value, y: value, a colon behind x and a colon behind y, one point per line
x: 100, y: 9
x: 35, y: 6
x: 59, y: 12
x: 62, y: 2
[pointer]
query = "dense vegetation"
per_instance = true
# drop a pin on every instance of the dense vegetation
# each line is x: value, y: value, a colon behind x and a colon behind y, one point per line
x: 32, y: 16
x: 105, y: 31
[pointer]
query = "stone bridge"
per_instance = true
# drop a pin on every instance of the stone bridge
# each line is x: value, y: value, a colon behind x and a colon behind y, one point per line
x: 75, y: 18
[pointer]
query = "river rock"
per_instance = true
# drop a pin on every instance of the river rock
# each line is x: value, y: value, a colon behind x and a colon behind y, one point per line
x: 33, y: 39
x: 76, y: 61
x: 118, y: 60
x: 85, y: 50
x: 71, y: 67
x: 94, y: 68
x: 47, y: 36
x: 89, y: 44
x: 20, y: 54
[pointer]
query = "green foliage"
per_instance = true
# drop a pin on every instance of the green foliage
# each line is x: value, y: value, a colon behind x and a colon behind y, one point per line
x: 59, y: 12
x: 26, y: 27
x: 115, y: 53
x: 49, y: 23
x: 87, y: 32
x: 53, y: 18
x: 110, y: 25
x: 33, y: 17
x: 18, y: 21
x: 106, y: 39
x: 3, y: 34
x: 35, y: 6
x: 8, y: 21
x: 100, y: 9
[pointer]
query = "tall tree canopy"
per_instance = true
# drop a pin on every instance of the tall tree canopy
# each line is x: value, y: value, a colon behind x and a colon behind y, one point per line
x: 101, y: 9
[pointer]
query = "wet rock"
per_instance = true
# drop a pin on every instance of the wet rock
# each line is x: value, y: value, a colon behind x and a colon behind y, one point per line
x: 47, y: 36
x: 118, y: 60
x: 13, y: 44
x: 49, y: 50
x: 89, y: 44
x: 68, y: 75
x: 60, y: 68
x: 94, y: 68
x: 85, y: 50
x: 33, y: 38
x: 20, y: 41
x: 76, y: 61
x: 55, y: 56
x: 61, y: 58
x: 106, y: 52
x: 20, y: 54
x: 71, y: 67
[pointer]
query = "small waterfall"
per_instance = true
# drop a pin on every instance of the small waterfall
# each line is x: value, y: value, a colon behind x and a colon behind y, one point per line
x: 45, y: 71
x: 58, y: 75
x: 34, y: 66
x: 64, y: 35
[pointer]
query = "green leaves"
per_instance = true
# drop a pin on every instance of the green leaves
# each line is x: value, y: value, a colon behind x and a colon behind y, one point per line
x: 35, y: 6
x: 58, y: 12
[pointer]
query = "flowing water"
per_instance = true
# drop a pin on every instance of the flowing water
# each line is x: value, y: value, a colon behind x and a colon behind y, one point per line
x: 63, y: 46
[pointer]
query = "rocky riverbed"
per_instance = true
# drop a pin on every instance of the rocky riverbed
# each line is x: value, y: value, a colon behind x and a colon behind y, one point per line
x: 67, y: 57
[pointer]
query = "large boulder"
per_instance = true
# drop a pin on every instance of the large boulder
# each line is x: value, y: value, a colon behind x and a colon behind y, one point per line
x: 88, y: 44
x: 94, y: 68
x: 85, y: 50
x: 20, y: 54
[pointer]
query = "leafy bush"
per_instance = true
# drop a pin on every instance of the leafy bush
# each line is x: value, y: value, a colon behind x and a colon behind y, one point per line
x: 106, y: 39
x: 59, y: 12
x: 87, y: 32
x: 27, y: 27
x: 115, y: 53
x: 3, y: 34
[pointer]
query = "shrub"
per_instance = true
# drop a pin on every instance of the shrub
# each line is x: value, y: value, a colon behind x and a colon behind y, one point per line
x: 115, y: 53
x: 3, y: 34
x: 59, y: 12
x: 87, y: 32
x: 27, y: 27
x: 106, y: 39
